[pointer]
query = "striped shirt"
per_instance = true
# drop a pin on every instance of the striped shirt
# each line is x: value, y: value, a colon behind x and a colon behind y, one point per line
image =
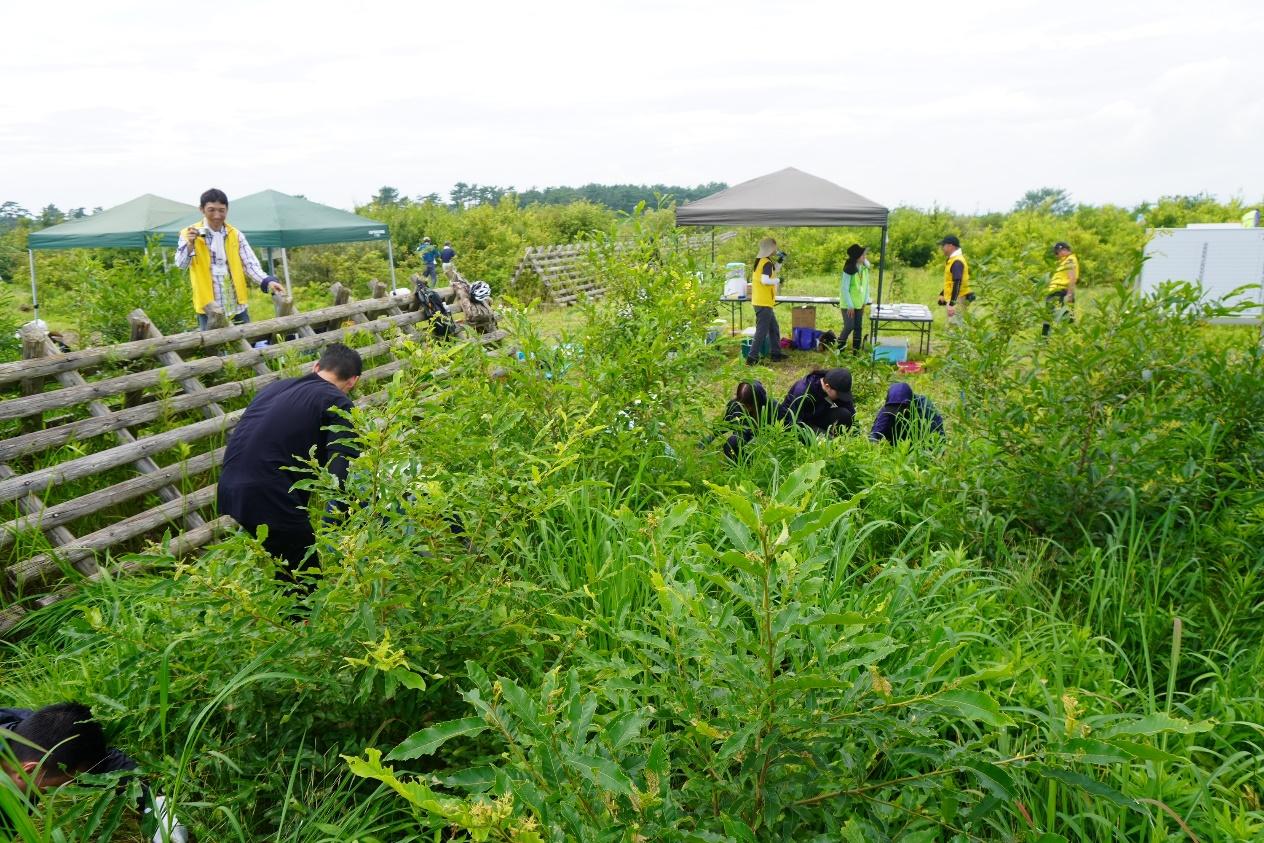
x: 225, y: 295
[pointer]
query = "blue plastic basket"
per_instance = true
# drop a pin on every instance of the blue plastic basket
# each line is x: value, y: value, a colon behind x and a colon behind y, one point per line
x: 890, y: 353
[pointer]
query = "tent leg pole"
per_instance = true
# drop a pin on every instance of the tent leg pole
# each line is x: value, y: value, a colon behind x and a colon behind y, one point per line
x: 285, y: 264
x: 271, y: 262
x: 165, y: 267
x: 390, y: 257
x: 713, y: 247
x: 30, y: 253
x: 882, y: 265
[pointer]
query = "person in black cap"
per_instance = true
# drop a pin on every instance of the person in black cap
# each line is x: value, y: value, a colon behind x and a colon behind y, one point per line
x: 429, y: 257
x: 956, y: 294
x: 1061, y: 290
x: 822, y: 401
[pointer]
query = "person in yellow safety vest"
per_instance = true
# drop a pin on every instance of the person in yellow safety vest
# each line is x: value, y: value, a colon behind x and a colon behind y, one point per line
x: 219, y: 260
x: 956, y: 295
x: 764, y: 281
x: 1061, y: 290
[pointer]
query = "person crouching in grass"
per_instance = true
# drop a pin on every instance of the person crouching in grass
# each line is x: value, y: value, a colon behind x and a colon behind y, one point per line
x: 44, y: 749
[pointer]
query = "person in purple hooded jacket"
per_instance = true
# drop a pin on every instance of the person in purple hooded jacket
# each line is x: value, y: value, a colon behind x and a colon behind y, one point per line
x: 905, y: 415
x: 821, y: 400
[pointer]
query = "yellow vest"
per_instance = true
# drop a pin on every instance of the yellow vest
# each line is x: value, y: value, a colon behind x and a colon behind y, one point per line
x: 965, y: 278
x: 200, y: 269
x: 763, y: 295
x: 1062, y: 275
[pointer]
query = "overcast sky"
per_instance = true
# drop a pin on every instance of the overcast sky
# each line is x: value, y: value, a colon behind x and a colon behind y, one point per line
x: 967, y: 103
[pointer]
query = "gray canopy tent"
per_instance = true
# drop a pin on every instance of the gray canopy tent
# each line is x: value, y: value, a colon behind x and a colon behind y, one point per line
x: 271, y: 219
x: 786, y: 199
x: 126, y: 226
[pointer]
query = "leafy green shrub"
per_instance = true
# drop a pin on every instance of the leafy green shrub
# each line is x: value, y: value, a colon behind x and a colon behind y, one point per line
x: 1129, y: 406
x: 108, y: 288
x: 10, y: 323
x: 571, y: 618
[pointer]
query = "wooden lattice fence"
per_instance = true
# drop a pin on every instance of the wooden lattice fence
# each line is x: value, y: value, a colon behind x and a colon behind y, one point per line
x: 567, y: 272
x: 108, y: 448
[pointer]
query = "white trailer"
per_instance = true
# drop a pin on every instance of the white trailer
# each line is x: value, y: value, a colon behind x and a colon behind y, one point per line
x: 1221, y: 258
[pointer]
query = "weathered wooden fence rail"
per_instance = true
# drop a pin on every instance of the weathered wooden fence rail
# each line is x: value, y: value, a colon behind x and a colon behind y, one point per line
x: 84, y: 432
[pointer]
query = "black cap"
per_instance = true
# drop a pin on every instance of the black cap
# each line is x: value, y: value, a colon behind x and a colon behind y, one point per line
x: 950, y: 240
x: 1059, y: 246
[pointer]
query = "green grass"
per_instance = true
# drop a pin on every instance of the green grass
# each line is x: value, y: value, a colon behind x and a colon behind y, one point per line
x: 1047, y: 630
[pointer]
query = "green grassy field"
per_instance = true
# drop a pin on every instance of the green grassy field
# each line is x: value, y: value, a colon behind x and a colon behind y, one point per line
x: 1047, y: 628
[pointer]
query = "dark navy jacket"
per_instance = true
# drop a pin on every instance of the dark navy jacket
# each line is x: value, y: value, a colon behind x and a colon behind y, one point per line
x: 904, y: 413
x: 282, y: 425
x: 114, y: 760
x: 743, y: 425
x: 807, y: 404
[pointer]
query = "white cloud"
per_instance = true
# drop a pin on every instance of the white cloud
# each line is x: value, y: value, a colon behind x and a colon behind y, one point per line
x: 969, y: 104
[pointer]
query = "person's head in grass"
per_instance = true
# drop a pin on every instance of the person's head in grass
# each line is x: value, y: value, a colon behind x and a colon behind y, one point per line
x: 52, y: 746
x: 751, y: 397
x: 341, y: 366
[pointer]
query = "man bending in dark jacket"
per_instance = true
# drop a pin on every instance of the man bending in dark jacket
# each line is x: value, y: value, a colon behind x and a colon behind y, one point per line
x: 285, y: 423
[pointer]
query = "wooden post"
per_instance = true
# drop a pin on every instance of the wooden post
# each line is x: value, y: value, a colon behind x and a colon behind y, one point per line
x: 341, y: 294
x: 34, y: 345
x: 139, y: 331
x: 377, y: 289
x: 215, y: 317
x: 282, y: 304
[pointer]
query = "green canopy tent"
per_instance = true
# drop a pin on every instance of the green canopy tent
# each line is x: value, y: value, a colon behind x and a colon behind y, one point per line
x: 271, y: 219
x: 126, y: 226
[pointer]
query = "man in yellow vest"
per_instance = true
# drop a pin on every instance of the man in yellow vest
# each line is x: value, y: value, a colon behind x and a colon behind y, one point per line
x: 956, y: 294
x: 1060, y: 293
x: 764, y: 281
x: 219, y: 261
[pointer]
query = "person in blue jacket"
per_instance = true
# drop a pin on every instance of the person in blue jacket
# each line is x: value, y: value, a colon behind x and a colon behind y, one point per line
x: 905, y: 415
x: 446, y: 255
x: 429, y: 256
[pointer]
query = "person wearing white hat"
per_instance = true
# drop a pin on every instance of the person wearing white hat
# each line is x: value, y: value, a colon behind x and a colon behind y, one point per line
x: 764, y: 300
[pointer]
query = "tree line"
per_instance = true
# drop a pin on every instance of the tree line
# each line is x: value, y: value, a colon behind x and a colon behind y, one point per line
x: 617, y: 197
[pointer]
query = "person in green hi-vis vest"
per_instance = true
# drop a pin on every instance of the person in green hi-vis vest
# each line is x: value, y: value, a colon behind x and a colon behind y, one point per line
x: 853, y: 295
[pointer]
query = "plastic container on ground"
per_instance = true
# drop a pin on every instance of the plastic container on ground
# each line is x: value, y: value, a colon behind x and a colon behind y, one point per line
x: 891, y: 349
